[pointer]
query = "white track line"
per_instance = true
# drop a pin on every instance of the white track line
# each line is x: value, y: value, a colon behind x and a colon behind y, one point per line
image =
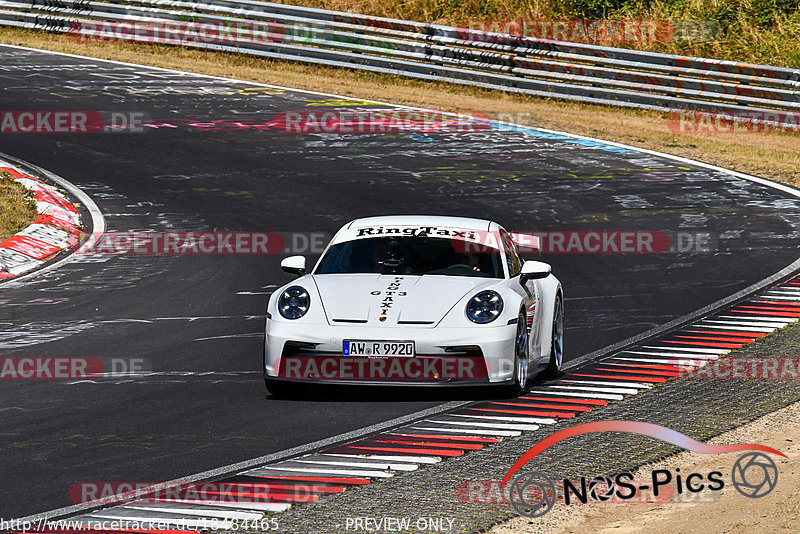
x: 498, y: 426
x: 620, y: 383
x: 390, y: 458
x: 509, y: 418
x: 693, y: 363
x: 698, y: 350
x: 601, y: 396
x: 619, y: 391
x: 675, y: 355
x: 759, y: 319
x: 356, y: 462
x: 722, y: 328
x: 325, y: 471
x: 491, y: 433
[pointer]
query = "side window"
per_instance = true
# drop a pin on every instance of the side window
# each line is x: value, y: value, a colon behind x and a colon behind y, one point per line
x: 512, y: 257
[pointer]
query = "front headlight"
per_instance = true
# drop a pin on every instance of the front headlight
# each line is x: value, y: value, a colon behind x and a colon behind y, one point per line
x: 293, y: 302
x: 484, y: 307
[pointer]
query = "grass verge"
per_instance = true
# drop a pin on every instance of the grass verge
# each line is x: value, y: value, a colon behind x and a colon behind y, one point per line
x: 771, y: 155
x: 17, y: 208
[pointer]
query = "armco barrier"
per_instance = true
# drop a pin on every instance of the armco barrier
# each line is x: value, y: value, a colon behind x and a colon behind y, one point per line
x: 574, y: 71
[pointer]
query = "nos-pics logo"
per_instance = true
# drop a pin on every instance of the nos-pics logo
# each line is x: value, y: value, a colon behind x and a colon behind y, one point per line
x: 533, y: 493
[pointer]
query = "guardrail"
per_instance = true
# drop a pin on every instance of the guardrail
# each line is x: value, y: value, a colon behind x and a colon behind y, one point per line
x: 545, y: 68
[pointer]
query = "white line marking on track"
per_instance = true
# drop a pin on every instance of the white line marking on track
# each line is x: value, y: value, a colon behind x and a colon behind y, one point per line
x: 621, y: 383
x: 602, y: 396
x: 618, y: 391
x: 675, y: 355
x: 322, y: 471
x: 512, y: 419
x: 492, y: 433
x: 390, y: 458
x: 693, y: 363
x: 709, y: 350
x: 759, y: 319
x: 356, y: 462
x: 736, y: 328
x: 499, y: 426
x: 250, y: 335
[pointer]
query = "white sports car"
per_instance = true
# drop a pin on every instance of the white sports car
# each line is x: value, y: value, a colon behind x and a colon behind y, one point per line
x: 415, y: 300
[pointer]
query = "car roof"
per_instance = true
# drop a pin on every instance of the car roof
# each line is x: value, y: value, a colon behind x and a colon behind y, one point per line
x: 464, y: 223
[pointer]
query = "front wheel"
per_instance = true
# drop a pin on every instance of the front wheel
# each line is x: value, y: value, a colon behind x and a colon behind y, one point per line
x: 284, y: 390
x: 520, y: 358
x: 557, y: 341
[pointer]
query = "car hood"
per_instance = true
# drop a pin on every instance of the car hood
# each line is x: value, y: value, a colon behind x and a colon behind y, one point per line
x: 392, y: 300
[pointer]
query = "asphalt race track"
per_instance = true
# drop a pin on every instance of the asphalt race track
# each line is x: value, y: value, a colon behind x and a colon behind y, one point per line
x: 196, y: 321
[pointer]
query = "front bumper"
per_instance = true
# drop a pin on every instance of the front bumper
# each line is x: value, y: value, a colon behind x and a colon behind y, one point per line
x: 312, y: 353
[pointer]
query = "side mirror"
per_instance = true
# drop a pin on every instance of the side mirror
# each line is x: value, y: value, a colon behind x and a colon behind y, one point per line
x: 294, y: 265
x: 534, y: 270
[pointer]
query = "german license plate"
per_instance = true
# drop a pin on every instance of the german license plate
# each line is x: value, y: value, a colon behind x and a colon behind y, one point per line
x: 377, y: 348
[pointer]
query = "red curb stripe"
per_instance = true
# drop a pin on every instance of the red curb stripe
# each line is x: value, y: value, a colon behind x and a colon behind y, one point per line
x: 770, y: 314
x: 526, y: 412
x: 16, y: 174
x: 459, y: 446
x: 253, y: 486
x: 574, y: 408
x: 460, y: 438
x: 718, y: 338
x: 698, y: 344
x: 653, y: 379
x: 268, y: 497
x: 574, y: 400
x: 727, y: 333
x: 778, y: 304
x: 768, y: 308
x: 640, y: 371
x: 330, y: 480
x: 405, y: 450
x: 674, y: 368
x: 29, y: 246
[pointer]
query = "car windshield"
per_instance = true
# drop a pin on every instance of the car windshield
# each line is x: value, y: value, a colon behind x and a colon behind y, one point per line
x: 411, y: 255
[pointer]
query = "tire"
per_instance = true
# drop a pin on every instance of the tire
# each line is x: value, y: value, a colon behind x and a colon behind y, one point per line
x: 553, y: 369
x: 284, y: 390
x: 520, y: 384
x: 278, y: 388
